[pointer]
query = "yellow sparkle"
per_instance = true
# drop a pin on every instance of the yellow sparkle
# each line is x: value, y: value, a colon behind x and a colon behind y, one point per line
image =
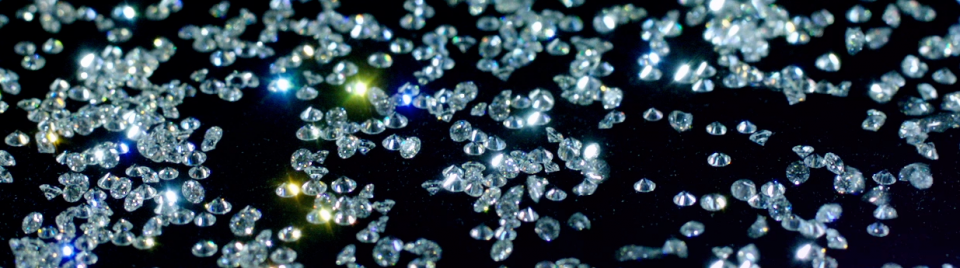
x: 308, y: 50
x: 357, y: 88
x: 325, y: 215
x: 293, y: 188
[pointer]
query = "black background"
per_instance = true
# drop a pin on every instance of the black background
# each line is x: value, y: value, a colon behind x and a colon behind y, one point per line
x: 253, y: 157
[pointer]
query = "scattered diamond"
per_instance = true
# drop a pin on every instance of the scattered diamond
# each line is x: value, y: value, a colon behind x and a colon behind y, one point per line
x: 644, y: 185
x: 718, y: 159
x: 692, y: 229
x: 684, y: 199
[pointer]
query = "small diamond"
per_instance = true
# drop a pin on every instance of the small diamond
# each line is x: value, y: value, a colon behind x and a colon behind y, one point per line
x: 829, y: 62
x: 644, y: 186
x: 746, y: 127
x: 692, y: 229
x: 680, y: 121
x: 944, y: 76
x: 718, y: 159
x: 652, y: 115
x: 854, y: 40
x: 713, y: 202
x: 885, y: 212
x: 684, y: 199
x: 579, y: 222
x: 716, y: 129
x: 913, y: 67
x: 743, y: 189
x: 878, y: 229
x: 205, y: 248
x: 761, y: 137
x: 798, y: 172
x: 829, y: 213
x: 858, y: 14
x: 17, y: 139
x: 547, y: 228
x: 918, y: 174
x: 759, y: 228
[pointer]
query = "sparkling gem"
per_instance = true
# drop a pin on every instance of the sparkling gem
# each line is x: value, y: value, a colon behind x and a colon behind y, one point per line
x: 17, y: 139
x: 692, y: 229
x: 680, y: 121
x: 713, y: 202
x: 858, y: 14
x: 918, y: 174
x: 877, y: 37
x: 204, y: 219
x: 878, y: 229
x: 875, y: 120
x: 759, y: 228
x: 32, y: 222
x: 716, y: 129
x: 481, y: 232
x: 829, y: 213
x: 746, y: 127
x: 743, y: 189
x: 854, y: 40
x: 614, y: 117
x: 885, y: 212
x: 912, y: 67
x: 652, y: 115
x: 761, y: 137
x: 204, y: 248
x: 849, y: 182
x: 891, y: 16
x: 218, y: 206
x: 942, y: 76
x: 718, y: 159
x: 829, y: 62
x: 501, y: 250
x: 644, y: 185
x: 409, y: 147
x: 798, y: 172
x: 927, y: 150
x: 684, y: 199
x: 347, y: 255
x: 547, y: 228
x: 192, y: 191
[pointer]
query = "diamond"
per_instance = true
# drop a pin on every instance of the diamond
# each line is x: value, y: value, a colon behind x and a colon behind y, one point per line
x: 851, y: 181
x: 32, y: 222
x: 218, y: 206
x: 547, y: 228
x: 481, y: 232
x: 761, y: 137
x: 380, y: 60
x: 692, y: 229
x: 579, y: 222
x: 877, y: 37
x: 875, y: 120
x: 501, y: 250
x: 387, y: 251
x: 713, y: 202
x: 942, y: 76
x: 204, y: 248
x: 878, y: 229
x: 891, y: 16
x: 912, y: 67
x: 829, y: 212
x: 885, y: 212
x: 927, y: 150
x: 684, y: 199
x: 718, y: 159
x: 829, y: 62
x: 6, y: 159
x: 798, y: 172
x: 716, y: 129
x: 614, y: 117
x: 918, y: 174
x: 652, y: 115
x: 680, y: 121
x: 858, y: 14
x: 17, y: 139
x: 759, y: 228
x: 854, y: 40
x: 743, y: 189
x: 746, y: 127
x: 409, y: 147
x: 644, y: 185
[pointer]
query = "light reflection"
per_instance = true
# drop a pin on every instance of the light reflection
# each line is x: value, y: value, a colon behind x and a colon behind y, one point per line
x: 292, y: 188
x: 170, y: 196
x: 129, y: 13
x: 124, y: 148
x: 495, y: 162
x: 533, y: 119
x: 682, y: 73
x: 357, y: 88
x: 406, y: 99
x: 716, y: 5
x: 591, y: 151
x: 66, y: 250
x: 87, y: 60
x: 325, y: 214
x: 283, y: 84
x: 52, y: 137
x: 804, y: 252
x: 308, y: 50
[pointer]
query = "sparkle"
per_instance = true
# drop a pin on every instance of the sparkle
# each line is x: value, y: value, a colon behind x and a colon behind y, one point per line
x: 591, y: 151
x: 67, y: 250
x: 293, y: 188
x: 52, y: 137
x: 308, y: 50
x: 87, y: 60
x: 283, y: 84
x: 170, y: 196
x: 716, y: 5
x: 406, y: 99
x: 325, y: 215
x: 533, y: 119
x: 682, y: 72
x: 358, y: 88
x: 497, y: 160
x: 129, y: 13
